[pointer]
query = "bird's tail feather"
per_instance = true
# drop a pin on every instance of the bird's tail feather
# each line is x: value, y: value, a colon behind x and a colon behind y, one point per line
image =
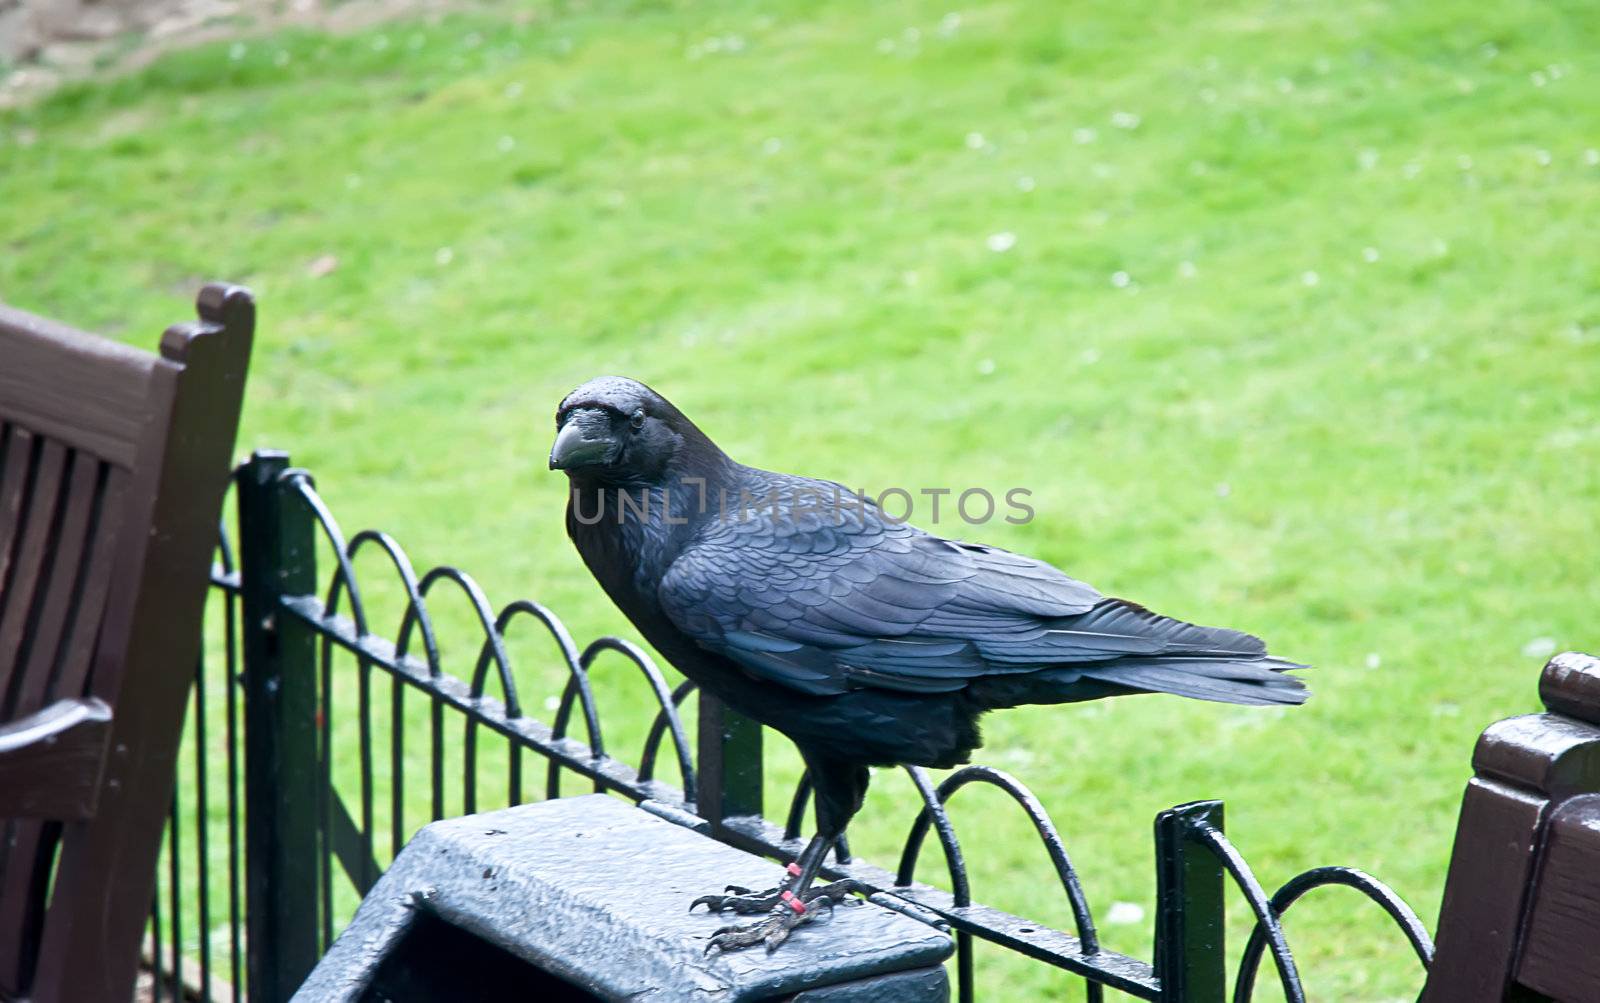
x: 1252, y: 681
x: 1260, y: 681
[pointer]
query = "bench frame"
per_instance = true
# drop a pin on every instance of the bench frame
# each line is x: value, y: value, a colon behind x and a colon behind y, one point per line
x: 102, y: 591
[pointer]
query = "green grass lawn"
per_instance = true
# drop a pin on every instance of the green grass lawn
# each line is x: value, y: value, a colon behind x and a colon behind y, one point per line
x: 1286, y: 313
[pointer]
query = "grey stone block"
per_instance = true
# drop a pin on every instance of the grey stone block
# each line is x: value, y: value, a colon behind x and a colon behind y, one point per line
x: 590, y: 895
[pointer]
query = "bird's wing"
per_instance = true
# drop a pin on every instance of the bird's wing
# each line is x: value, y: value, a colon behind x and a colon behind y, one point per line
x: 824, y: 602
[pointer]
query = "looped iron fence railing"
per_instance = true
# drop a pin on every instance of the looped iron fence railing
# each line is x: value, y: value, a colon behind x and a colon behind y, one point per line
x: 312, y: 757
x: 1318, y: 877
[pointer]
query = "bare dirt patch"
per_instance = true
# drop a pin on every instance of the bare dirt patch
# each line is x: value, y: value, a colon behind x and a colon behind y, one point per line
x: 46, y: 42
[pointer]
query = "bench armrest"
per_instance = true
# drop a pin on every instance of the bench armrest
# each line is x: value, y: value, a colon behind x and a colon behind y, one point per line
x: 51, y: 761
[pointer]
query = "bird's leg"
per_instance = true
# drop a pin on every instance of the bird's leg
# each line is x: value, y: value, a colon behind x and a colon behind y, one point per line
x: 792, y: 904
x: 809, y: 864
x: 746, y: 902
x: 839, y: 788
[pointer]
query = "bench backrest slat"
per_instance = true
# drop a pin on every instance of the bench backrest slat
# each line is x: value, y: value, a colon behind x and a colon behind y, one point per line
x: 82, y: 391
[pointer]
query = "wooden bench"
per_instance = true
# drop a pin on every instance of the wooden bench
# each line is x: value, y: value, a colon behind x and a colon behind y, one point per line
x: 113, y: 464
x: 1521, y: 914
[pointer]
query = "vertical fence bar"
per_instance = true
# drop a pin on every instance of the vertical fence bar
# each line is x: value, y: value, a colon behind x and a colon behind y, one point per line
x: 436, y: 757
x: 323, y: 824
x: 202, y: 814
x: 369, y: 841
x: 277, y: 557
x: 175, y: 895
x: 729, y: 770
x: 397, y: 766
x: 155, y: 942
x: 1190, y: 944
x: 231, y: 683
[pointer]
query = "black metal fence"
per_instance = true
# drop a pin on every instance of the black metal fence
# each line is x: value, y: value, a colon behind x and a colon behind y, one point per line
x: 333, y: 742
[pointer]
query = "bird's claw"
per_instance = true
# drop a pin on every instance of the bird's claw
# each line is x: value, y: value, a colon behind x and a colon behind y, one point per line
x: 836, y: 892
x: 775, y: 929
x: 741, y: 900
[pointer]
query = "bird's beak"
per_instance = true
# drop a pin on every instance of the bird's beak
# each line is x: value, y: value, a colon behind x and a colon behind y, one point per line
x: 583, y: 441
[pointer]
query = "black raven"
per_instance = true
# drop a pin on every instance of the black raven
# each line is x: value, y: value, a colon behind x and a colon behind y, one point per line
x: 865, y: 640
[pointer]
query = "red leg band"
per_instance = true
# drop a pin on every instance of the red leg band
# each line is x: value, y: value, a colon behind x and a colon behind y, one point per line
x: 790, y: 900
x: 794, y: 870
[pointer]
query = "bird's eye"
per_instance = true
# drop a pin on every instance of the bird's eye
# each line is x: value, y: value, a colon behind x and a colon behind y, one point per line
x: 637, y: 421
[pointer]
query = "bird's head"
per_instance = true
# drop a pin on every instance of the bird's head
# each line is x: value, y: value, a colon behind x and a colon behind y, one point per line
x: 619, y: 431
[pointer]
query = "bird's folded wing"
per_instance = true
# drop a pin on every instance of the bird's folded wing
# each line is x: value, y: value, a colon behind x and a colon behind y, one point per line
x: 862, y: 602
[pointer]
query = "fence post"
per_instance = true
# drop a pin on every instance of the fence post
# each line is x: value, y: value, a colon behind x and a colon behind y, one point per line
x: 1190, y: 947
x: 277, y: 557
x: 728, y: 772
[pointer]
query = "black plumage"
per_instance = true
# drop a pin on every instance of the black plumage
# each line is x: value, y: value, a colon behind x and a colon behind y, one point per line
x: 866, y: 641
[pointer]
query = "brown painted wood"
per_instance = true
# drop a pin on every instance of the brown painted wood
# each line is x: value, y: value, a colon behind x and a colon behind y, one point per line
x: 51, y: 762
x: 113, y: 463
x: 1517, y: 915
x: 1490, y: 870
x: 96, y: 397
x: 16, y: 473
x: 30, y: 841
x: 84, y: 489
x: 76, y: 654
x: 31, y: 573
x: 1570, y: 685
x: 1561, y: 950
